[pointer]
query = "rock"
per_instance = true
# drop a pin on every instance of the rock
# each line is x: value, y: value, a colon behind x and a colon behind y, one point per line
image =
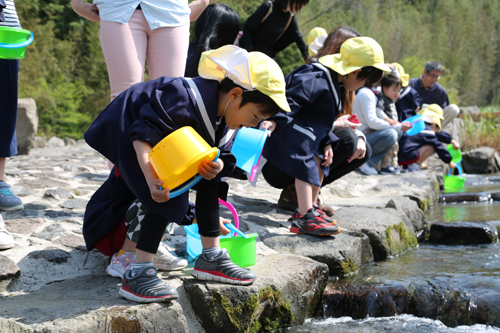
x: 469, y: 110
x: 455, y: 129
x: 55, y: 142
x: 27, y: 125
x: 464, y: 197
x: 8, y: 271
x: 363, y: 301
x: 51, y: 232
x: 24, y: 226
x: 71, y: 240
x: 74, y: 204
x: 39, y: 142
x: 343, y: 253
x: 495, y: 196
x: 81, y: 142
x: 55, y: 214
x: 462, y: 233
x: 411, y: 209
x: 57, y: 194
x: 286, y: 292
x: 54, y: 255
x: 69, y: 142
x: 481, y: 160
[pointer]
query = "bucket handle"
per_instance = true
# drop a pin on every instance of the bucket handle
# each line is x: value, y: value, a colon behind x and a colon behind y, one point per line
x: 18, y: 46
x: 459, y: 168
x: 192, y: 183
x: 233, y: 211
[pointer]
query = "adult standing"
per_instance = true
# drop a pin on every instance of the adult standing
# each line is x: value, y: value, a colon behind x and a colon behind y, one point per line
x: 133, y: 31
x: 431, y: 92
x: 9, y: 70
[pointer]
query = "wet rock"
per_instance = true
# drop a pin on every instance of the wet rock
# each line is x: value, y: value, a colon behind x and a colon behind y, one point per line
x: 286, y: 292
x: 462, y: 233
x: 362, y: 301
x: 411, y: 209
x: 344, y: 253
x: 24, y: 226
x: 54, y: 255
x: 463, y: 197
x: 74, y: 204
x: 51, y: 232
x: 495, y: 196
x: 57, y: 194
x: 481, y: 160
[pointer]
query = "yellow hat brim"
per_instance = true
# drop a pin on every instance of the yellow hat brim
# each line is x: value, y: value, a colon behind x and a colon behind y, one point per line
x: 405, y: 78
x: 433, y: 116
x: 334, y: 62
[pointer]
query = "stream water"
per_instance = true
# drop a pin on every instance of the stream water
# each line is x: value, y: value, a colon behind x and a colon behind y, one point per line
x: 472, y: 272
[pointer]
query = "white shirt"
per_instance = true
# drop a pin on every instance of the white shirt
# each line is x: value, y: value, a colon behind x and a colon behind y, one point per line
x: 11, y: 19
x: 158, y: 13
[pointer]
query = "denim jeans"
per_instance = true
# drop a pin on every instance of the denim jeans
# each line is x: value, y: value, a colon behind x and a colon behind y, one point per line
x: 380, y: 142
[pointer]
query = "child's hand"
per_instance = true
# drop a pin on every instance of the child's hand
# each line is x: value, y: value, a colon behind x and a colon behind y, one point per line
x: 391, y: 121
x: 223, y: 230
x: 328, y: 156
x: 210, y: 169
x: 158, y: 193
x: 406, y: 126
x: 343, y: 122
x: 270, y: 125
x: 455, y: 144
x: 360, y: 151
x: 453, y: 165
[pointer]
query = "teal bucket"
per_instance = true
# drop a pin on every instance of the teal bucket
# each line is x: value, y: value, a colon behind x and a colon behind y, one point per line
x: 13, y: 42
x: 247, y: 148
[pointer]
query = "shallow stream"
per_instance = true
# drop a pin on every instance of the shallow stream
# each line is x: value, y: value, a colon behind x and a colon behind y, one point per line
x: 467, y: 274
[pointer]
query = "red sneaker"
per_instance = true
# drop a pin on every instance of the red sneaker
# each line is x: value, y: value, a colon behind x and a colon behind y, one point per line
x: 311, y: 223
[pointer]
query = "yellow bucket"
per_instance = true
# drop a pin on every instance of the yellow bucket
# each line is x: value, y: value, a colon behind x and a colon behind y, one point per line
x: 175, y: 159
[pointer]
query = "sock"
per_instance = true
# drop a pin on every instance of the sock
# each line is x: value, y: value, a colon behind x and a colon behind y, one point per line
x: 137, y: 267
x: 121, y: 252
x: 211, y: 253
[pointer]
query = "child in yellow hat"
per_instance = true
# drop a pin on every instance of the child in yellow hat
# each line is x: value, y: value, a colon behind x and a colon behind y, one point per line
x: 301, y: 146
x: 235, y: 89
x: 414, y: 150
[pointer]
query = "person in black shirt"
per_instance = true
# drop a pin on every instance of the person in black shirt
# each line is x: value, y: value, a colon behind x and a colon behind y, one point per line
x: 273, y: 27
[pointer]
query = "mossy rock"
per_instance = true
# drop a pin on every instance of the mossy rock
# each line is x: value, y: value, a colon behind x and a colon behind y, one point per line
x: 399, y: 239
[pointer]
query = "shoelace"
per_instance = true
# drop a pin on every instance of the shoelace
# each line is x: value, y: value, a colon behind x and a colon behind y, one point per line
x: 5, y: 191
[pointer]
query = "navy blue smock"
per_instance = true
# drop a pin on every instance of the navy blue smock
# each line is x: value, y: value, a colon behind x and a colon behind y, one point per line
x: 409, y: 146
x: 303, y: 133
x: 407, y: 103
x: 149, y: 112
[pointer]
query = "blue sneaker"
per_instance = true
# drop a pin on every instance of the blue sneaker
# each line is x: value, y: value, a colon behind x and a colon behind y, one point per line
x: 8, y: 201
x: 414, y: 167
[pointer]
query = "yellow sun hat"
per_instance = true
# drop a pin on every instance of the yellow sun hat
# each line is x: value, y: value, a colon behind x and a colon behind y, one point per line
x: 250, y: 70
x: 356, y: 53
x: 405, y: 78
x: 314, y: 41
x: 430, y: 117
x: 435, y: 108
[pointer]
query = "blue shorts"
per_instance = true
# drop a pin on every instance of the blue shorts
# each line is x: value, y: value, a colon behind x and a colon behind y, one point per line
x: 9, y: 70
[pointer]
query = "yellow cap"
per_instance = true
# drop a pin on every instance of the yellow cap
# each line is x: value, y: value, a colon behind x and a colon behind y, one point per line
x: 435, y: 108
x: 314, y: 41
x: 430, y: 117
x: 250, y: 70
x: 356, y: 53
x: 405, y: 78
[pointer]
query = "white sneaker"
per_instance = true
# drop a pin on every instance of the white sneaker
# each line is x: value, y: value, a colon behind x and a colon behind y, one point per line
x: 119, y: 264
x: 166, y: 261
x: 6, y: 239
x: 368, y: 170
x: 414, y: 167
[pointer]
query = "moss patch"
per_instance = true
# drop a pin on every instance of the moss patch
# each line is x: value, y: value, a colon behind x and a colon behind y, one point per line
x: 263, y: 313
x: 424, y: 204
x: 399, y: 239
x: 346, y: 267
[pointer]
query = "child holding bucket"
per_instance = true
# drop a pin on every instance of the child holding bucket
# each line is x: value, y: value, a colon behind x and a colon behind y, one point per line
x: 300, y: 148
x: 235, y: 89
x: 414, y: 150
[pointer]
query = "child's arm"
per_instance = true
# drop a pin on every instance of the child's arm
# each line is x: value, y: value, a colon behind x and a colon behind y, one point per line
x: 197, y: 7
x: 210, y: 169
x: 142, y: 150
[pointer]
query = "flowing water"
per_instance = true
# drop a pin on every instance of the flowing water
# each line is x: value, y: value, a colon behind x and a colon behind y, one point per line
x: 467, y: 274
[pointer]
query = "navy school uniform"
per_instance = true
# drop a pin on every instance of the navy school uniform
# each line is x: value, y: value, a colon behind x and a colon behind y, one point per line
x: 149, y: 112
x: 409, y: 146
x: 407, y: 103
x: 313, y: 94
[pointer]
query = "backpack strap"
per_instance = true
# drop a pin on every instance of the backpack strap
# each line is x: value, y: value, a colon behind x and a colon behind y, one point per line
x: 268, y: 12
x: 328, y: 75
x: 201, y: 106
x: 287, y: 25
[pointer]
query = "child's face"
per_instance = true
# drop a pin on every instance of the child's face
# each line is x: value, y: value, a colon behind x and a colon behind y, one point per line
x: 351, y: 81
x: 248, y: 115
x: 392, y: 92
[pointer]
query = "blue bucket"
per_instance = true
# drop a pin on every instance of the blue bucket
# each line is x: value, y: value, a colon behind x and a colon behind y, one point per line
x: 418, y: 124
x: 247, y: 148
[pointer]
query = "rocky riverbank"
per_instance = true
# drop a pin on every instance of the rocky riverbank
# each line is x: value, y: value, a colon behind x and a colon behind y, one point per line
x: 50, y: 283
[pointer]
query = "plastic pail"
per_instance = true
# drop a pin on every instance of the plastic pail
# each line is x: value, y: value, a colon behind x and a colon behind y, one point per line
x: 13, y: 42
x: 418, y: 124
x: 247, y: 148
x: 456, y: 154
x: 455, y: 182
x: 175, y: 159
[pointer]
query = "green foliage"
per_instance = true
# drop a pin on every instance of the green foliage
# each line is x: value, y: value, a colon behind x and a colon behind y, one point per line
x: 64, y: 69
x: 484, y: 132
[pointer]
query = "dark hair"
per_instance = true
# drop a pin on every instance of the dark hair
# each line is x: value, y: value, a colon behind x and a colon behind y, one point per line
x: 332, y: 45
x: 390, y: 80
x: 267, y: 106
x: 295, y: 5
x: 433, y: 65
x: 217, y: 26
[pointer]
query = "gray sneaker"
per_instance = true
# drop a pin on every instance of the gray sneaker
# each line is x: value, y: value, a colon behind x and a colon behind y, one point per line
x: 146, y: 287
x: 222, y: 269
x: 8, y: 201
x: 6, y: 239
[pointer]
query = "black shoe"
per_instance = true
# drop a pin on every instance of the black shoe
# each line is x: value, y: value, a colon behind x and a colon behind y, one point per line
x: 288, y: 198
x: 146, y: 287
x: 222, y: 269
